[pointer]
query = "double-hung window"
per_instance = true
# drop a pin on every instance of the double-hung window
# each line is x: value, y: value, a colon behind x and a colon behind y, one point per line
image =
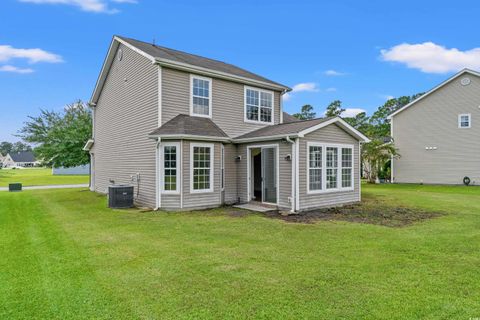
x: 201, y: 167
x: 201, y: 96
x: 170, y: 167
x: 347, y: 167
x: 258, y: 105
x: 315, y: 168
x: 332, y: 167
x: 464, y: 121
x: 329, y: 167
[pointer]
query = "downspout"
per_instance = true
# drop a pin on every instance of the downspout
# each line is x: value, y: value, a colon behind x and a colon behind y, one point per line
x: 157, y: 175
x: 90, y: 182
x: 294, y: 177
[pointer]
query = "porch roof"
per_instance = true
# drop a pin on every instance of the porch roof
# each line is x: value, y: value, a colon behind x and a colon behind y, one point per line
x: 289, y: 128
x: 185, y: 126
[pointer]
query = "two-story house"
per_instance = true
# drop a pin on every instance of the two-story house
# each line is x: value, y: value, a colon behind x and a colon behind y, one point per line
x: 437, y: 135
x: 191, y: 132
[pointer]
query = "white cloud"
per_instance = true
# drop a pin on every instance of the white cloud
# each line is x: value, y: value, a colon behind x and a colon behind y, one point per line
x: 9, y: 68
x: 301, y: 87
x: 432, y: 58
x: 352, y: 112
x: 331, y: 89
x: 305, y: 86
x: 32, y: 55
x: 97, y: 6
x: 333, y: 73
x: 385, y: 96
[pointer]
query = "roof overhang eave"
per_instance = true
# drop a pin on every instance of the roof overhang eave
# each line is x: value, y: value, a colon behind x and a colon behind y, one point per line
x: 339, y: 121
x: 188, y: 137
x: 455, y: 76
x: 266, y: 138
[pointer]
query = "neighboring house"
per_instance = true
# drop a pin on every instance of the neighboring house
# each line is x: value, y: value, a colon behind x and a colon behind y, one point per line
x: 190, y: 132
x: 78, y: 170
x: 438, y: 134
x: 2, y: 157
x: 20, y: 159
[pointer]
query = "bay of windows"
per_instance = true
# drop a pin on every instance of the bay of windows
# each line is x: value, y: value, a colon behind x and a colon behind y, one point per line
x: 330, y: 167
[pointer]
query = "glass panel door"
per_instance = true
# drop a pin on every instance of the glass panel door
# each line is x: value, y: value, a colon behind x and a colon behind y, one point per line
x: 269, y: 177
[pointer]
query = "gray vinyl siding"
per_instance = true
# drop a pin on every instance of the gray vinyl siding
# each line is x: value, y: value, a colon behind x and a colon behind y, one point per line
x: 230, y: 174
x: 329, y: 134
x: 285, y: 175
x: 125, y: 113
x: 285, y: 172
x: 433, y: 122
x: 204, y: 199
x: 227, y: 102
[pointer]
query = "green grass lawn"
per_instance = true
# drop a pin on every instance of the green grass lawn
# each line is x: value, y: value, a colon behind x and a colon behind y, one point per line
x: 63, y: 255
x: 38, y: 177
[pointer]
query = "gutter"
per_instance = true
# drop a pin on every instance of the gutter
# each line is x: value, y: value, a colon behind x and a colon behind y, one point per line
x: 157, y: 175
x: 189, y: 137
x: 294, y: 177
x: 228, y: 140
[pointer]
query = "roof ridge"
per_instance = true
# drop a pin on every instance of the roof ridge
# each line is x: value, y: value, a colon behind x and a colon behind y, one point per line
x: 166, y: 49
x: 305, y: 120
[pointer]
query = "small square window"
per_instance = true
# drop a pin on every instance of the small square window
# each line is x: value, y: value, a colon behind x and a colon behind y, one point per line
x: 464, y: 121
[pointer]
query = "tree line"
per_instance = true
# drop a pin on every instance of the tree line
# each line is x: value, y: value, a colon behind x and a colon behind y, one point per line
x: 59, y: 137
x: 15, y: 147
x: 376, y: 154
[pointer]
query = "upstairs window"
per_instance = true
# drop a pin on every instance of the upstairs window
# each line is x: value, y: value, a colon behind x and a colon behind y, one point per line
x: 258, y: 106
x: 201, y: 97
x: 464, y: 121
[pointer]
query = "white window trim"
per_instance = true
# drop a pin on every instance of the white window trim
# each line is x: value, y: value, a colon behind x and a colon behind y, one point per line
x: 324, y: 167
x: 162, y: 167
x: 460, y: 120
x: 212, y: 157
x: 249, y: 164
x: 210, y: 85
x: 245, y: 119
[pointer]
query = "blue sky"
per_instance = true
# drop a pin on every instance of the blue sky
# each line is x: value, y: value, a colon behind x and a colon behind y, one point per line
x: 360, y: 52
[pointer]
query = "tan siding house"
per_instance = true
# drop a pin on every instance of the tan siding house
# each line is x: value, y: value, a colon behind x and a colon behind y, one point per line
x: 438, y: 134
x: 190, y: 132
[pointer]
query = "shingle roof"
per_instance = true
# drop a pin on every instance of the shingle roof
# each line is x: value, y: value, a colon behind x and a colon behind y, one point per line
x: 195, y: 60
x: 191, y: 126
x: 287, y: 118
x: 284, y: 128
x: 26, y: 156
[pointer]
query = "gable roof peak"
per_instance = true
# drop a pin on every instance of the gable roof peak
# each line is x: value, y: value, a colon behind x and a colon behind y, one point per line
x: 455, y: 76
